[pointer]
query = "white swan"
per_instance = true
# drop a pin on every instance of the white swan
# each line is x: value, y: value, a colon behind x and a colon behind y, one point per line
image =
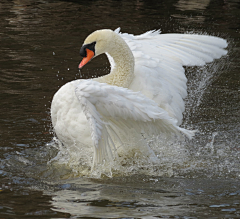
x: 142, y: 96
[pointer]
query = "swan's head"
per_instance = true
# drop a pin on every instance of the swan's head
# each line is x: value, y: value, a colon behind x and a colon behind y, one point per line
x: 95, y: 44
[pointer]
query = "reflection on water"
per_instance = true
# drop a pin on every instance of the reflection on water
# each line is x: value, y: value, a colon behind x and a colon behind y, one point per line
x: 40, y: 42
x: 140, y: 197
x: 187, y: 5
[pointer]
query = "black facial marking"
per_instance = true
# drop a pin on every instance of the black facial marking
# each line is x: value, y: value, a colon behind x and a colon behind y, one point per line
x: 90, y: 46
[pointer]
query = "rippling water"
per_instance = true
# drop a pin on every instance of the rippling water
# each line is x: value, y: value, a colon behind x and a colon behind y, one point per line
x: 40, y: 42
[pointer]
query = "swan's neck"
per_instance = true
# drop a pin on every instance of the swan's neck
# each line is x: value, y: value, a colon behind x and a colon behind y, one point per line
x: 122, y: 64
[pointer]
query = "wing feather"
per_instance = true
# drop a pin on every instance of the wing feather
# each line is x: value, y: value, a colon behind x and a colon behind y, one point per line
x: 159, y: 61
x: 110, y: 108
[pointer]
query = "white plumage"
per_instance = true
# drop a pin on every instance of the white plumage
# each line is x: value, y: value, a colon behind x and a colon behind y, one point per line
x: 141, y: 97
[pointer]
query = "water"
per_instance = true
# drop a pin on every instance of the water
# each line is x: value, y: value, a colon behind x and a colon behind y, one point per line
x: 40, y: 42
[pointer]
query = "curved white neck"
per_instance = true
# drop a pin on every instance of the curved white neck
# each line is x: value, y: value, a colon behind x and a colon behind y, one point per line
x: 122, y: 64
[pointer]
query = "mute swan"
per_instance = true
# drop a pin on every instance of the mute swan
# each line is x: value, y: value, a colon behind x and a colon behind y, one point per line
x: 142, y: 96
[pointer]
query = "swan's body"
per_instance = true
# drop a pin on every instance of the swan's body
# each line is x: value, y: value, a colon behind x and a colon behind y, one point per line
x: 142, y: 96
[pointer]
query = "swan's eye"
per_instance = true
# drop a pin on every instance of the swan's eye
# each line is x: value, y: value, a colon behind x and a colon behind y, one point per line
x: 90, y: 46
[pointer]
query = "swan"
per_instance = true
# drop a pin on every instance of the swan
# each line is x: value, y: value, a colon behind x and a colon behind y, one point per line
x: 142, y: 96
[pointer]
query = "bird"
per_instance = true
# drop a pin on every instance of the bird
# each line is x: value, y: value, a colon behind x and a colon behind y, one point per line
x: 142, y: 96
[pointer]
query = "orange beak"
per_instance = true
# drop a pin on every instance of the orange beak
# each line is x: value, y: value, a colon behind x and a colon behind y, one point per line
x: 87, y: 59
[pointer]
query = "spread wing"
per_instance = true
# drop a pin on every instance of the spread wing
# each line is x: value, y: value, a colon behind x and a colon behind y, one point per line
x: 113, y: 111
x: 159, y: 61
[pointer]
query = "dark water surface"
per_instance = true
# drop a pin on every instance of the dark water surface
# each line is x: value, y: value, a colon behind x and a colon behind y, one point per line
x: 39, y: 44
